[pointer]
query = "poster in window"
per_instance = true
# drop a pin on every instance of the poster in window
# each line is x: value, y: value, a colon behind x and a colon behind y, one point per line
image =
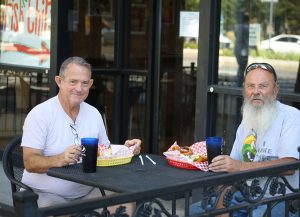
x: 25, y: 33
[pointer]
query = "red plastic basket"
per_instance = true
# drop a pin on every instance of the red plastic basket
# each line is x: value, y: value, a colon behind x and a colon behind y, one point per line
x: 182, y: 165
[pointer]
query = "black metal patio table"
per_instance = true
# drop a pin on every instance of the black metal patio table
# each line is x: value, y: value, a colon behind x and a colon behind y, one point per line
x: 131, y: 177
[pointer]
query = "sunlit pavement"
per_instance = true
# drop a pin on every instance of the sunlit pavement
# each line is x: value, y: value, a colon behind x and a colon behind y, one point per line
x: 5, y: 190
x: 228, y: 65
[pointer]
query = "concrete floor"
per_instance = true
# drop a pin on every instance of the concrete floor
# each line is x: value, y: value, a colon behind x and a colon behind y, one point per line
x: 5, y: 190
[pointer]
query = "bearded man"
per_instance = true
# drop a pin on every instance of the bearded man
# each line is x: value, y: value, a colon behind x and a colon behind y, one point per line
x: 268, y: 135
x: 274, y: 127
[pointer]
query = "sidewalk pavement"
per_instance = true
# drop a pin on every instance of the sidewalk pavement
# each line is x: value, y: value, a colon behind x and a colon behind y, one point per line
x: 5, y: 190
x: 5, y: 195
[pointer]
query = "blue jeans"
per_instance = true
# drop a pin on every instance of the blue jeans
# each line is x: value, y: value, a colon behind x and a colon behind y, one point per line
x: 277, y: 211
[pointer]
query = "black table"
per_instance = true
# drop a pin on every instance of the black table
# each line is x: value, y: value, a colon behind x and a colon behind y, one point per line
x: 133, y: 177
x: 130, y: 177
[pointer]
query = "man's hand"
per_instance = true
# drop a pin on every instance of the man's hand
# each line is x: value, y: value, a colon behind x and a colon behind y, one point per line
x: 224, y: 163
x: 71, y: 154
x: 136, y: 143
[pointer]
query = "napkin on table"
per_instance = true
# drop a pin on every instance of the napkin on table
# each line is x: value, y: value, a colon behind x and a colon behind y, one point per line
x: 114, y: 151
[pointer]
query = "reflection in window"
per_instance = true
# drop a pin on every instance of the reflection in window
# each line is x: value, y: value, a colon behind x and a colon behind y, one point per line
x: 91, y: 26
x: 137, y: 106
x: 19, y: 93
x: 277, y: 44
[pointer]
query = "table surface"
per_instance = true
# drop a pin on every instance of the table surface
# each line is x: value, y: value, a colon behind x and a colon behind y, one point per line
x: 130, y: 177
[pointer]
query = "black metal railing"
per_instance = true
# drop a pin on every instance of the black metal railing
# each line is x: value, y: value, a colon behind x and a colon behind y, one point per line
x: 149, y: 203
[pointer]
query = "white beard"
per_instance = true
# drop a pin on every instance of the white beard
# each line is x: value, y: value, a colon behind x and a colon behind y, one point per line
x: 259, y: 119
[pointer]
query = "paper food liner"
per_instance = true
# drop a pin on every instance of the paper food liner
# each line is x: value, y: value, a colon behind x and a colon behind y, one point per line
x: 197, y: 148
x: 114, y: 151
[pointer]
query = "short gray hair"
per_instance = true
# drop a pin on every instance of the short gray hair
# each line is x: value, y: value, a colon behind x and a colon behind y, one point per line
x: 76, y: 60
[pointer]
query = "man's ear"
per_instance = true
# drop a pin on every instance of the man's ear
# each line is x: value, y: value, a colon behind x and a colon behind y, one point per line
x: 276, y: 90
x: 58, y: 80
x: 91, y: 82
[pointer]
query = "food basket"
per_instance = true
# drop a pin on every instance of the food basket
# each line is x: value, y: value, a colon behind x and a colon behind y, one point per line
x: 107, y: 162
x: 182, y: 165
x: 177, y: 159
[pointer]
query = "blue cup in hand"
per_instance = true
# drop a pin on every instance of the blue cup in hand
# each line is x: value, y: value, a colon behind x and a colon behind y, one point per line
x: 89, y: 159
x: 213, y: 147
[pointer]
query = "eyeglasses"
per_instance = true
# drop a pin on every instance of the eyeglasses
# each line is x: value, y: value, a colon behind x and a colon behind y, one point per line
x: 75, y: 133
x: 264, y: 66
x: 76, y: 139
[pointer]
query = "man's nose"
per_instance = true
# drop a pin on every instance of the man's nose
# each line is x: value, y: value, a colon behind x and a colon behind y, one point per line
x: 257, y: 90
x: 79, y: 86
x: 256, y: 93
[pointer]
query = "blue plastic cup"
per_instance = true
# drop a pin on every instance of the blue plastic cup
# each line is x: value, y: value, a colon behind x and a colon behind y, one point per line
x: 213, y: 147
x: 89, y: 159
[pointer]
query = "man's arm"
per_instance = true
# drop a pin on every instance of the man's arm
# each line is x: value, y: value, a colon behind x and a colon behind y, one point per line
x: 225, y: 163
x: 36, y: 162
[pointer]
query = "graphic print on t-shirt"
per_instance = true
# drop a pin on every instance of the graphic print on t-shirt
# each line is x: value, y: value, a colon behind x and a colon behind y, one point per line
x: 249, y: 149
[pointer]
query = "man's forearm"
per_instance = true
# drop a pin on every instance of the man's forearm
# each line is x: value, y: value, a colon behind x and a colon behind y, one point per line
x: 256, y: 165
x: 40, y: 164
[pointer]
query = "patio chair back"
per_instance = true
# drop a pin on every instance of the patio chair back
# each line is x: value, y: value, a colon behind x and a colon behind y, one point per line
x: 13, y: 165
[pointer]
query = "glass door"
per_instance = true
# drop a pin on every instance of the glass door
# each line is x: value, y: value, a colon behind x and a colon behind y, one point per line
x: 113, y: 36
x: 179, y: 53
x: 139, y: 62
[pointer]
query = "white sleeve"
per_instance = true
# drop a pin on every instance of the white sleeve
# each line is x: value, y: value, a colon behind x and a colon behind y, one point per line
x: 35, y: 129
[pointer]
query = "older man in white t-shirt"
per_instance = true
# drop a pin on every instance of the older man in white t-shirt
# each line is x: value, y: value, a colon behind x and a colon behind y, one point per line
x: 50, y: 131
x: 268, y: 135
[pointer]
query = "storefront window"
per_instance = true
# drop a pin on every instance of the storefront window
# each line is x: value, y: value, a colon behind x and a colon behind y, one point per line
x: 259, y: 32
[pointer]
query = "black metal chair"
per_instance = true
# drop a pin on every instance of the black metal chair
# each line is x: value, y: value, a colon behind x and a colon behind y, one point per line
x: 13, y: 165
